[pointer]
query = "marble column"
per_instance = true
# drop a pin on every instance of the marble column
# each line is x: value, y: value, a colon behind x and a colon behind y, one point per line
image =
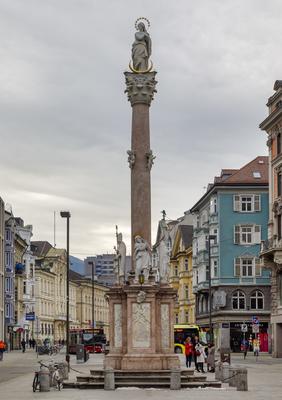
x: 140, y: 89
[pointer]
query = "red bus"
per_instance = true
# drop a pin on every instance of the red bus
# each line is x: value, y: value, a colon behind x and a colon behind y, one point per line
x: 94, y: 340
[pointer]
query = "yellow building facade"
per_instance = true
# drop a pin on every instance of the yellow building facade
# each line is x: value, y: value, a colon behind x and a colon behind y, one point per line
x: 181, y: 275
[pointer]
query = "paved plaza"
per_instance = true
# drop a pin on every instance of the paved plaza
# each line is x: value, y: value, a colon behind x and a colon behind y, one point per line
x: 16, y: 375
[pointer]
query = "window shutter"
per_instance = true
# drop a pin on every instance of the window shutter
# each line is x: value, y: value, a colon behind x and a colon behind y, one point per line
x: 237, y: 266
x: 236, y: 234
x: 257, y: 234
x: 257, y: 202
x: 258, y: 267
x: 236, y: 203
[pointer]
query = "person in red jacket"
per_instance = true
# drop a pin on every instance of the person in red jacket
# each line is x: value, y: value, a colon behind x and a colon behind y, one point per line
x: 188, y: 352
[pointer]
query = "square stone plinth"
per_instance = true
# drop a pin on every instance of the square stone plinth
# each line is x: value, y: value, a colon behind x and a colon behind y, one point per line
x: 141, y: 332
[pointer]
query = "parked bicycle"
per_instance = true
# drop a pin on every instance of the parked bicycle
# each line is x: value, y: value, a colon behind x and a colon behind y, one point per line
x: 54, y: 373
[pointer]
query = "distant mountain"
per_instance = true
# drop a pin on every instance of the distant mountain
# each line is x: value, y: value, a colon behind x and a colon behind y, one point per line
x: 77, y: 265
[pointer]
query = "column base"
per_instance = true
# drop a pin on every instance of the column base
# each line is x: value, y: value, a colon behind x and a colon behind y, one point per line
x: 142, y: 362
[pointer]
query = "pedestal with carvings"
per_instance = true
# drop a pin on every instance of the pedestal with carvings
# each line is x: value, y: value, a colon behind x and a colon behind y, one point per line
x: 141, y: 329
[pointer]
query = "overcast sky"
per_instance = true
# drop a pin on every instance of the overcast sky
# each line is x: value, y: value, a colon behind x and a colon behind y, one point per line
x: 65, y: 120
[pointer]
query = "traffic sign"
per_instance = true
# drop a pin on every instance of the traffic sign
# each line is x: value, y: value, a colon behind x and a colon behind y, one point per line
x: 255, y: 328
x: 244, y: 328
x: 255, y: 320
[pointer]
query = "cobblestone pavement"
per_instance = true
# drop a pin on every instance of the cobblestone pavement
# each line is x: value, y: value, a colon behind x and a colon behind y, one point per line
x: 16, y: 375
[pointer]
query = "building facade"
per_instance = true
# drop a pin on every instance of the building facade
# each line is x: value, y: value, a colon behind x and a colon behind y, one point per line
x: 181, y: 275
x: 230, y: 220
x: 103, y: 265
x: 2, y: 270
x: 271, y: 251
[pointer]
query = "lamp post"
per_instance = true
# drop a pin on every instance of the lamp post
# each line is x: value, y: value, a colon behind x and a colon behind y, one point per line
x: 210, y: 237
x: 67, y: 215
x: 93, y: 298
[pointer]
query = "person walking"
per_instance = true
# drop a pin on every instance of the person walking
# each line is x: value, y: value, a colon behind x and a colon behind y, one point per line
x: 30, y: 343
x: 245, y: 347
x: 23, y: 344
x: 195, y: 340
x: 188, y: 352
x: 201, y: 357
x: 2, y: 349
x: 210, y: 358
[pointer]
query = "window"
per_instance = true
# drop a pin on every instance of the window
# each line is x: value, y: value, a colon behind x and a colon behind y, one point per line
x: 24, y: 287
x: 279, y: 230
x: 246, y: 267
x: 186, y: 288
x: 246, y: 203
x: 215, y: 268
x: 279, y: 183
x: 280, y: 287
x: 176, y: 270
x: 176, y: 318
x: 213, y: 205
x: 186, y: 264
x: 247, y: 234
x: 278, y: 141
x: 238, y: 300
x: 256, y: 174
x: 186, y: 317
x: 257, y: 300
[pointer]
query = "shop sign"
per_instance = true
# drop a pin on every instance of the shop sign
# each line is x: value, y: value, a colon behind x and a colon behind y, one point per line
x: 30, y: 316
x: 244, y: 328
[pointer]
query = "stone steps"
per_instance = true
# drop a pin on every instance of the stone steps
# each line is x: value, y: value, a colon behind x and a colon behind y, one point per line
x: 141, y: 379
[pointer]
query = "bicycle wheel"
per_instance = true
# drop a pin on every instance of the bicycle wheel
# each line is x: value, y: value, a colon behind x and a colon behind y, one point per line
x: 35, y: 384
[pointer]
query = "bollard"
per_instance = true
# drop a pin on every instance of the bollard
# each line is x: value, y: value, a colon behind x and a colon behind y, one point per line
x: 109, y: 379
x: 218, y: 367
x: 225, y: 373
x: 44, y: 380
x: 241, y: 379
x: 232, y: 376
x: 175, y: 379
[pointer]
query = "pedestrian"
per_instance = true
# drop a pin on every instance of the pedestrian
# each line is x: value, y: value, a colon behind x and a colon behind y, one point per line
x: 33, y: 343
x: 23, y: 344
x: 30, y: 343
x: 2, y: 349
x: 201, y: 357
x: 188, y: 352
x: 210, y: 358
x: 63, y: 342
x: 195, y: 340
x: 245, y: 347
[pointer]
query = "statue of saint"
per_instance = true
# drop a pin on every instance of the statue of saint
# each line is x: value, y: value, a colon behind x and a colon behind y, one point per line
x: 120, y: 259
x: 141, y: 48
x: 142, y: 254
x: 164, y: 252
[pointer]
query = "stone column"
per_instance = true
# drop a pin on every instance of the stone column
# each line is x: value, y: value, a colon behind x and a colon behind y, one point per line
x: 140, y: 89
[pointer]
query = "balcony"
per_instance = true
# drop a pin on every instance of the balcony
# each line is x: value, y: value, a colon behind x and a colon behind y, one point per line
x: 268, y: 247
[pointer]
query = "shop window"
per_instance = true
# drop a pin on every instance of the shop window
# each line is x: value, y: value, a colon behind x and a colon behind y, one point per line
x: 238, y: 300
x: 257, y: 300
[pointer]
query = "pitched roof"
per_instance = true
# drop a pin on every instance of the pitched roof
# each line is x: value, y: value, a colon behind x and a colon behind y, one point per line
x: 75, y: 276
x: 54, y: 252
x: 256, y: 171
x: 40, y: 247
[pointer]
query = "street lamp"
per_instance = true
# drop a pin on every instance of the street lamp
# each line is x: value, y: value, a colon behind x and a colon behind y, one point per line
x: 210, y: 237
x: 93, y: 298
x: 67, y: 215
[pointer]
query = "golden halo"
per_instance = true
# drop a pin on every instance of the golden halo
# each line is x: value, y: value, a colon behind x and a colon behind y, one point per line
x: 140, y: 72
x: 142, y: 19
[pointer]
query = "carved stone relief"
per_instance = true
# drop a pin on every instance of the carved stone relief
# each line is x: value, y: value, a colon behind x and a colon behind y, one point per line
x: 141, y: 325
x: 165, y: 326
x: 117, y: 325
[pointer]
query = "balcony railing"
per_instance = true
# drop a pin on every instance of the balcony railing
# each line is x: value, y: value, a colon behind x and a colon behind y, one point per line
x: 270, y: 244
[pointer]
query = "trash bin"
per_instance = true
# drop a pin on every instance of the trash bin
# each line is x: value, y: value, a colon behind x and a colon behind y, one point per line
x: 44, y: 380
x: 80, y: 353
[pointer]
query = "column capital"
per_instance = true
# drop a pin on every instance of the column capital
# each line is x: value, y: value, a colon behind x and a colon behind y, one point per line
x: 140, y: 88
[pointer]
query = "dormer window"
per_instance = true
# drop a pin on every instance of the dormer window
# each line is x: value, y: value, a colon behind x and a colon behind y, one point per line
x: 256, y: 174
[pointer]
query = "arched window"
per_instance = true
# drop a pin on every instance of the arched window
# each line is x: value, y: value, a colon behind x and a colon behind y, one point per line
x: 186, y: 264
x: 176, y: 270
x: 257, y: 300
x: 238, y: 300
x: 186, y: 289
x: 176, y: 318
